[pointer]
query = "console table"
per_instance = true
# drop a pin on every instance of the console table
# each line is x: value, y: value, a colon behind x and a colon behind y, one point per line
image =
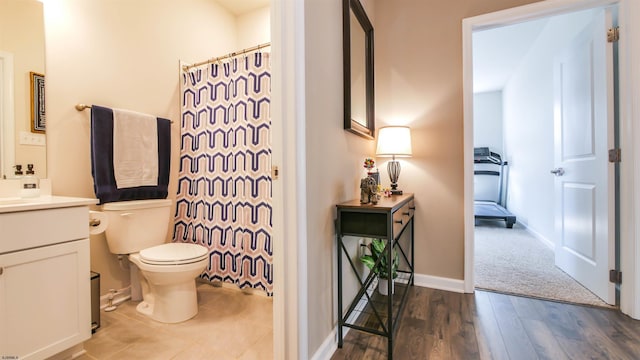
x: 389, y: 219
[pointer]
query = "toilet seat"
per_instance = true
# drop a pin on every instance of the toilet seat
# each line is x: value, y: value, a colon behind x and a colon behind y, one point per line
x: 173, y: 254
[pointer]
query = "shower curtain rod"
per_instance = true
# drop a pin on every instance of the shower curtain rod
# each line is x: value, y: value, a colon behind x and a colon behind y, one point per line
x: 230, y: 55
x: 82, y: 107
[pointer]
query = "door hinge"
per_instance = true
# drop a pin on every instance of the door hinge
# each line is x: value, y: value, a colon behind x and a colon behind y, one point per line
x: 275, y: 172
x: 613, y: 34
x: 615, y: 276
x: 615, y: 155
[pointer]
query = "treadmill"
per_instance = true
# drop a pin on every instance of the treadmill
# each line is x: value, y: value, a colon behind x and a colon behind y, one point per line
x: 488, y: 205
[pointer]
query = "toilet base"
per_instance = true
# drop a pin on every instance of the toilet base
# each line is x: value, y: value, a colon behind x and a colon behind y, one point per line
x: 145, y: 308
x: 171, y: 304
x: 168, y: 291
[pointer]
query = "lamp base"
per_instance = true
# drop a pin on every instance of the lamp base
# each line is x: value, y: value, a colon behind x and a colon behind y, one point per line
x: 393, y: 167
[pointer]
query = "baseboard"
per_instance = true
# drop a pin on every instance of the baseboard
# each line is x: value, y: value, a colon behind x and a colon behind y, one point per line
x: 328, y: 347
x: 119, y: 297
x: 439, y: 283
x: 548, y: 243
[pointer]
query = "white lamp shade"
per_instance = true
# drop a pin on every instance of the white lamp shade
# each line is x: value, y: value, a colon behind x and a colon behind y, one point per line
x: 394, y: 141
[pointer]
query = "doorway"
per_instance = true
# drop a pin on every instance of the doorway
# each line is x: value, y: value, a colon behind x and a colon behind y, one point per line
x: 528, y: 112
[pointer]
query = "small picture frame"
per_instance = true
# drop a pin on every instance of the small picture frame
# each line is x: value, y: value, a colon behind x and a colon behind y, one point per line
x: 38, y: 122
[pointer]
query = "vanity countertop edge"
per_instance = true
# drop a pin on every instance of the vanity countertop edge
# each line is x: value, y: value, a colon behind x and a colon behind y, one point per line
x: 8, y: 205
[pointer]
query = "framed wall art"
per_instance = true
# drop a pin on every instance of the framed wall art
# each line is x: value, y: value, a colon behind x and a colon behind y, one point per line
x: 37, y: 103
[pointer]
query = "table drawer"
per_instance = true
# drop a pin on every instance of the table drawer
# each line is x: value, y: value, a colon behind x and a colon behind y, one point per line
x: 402, y: 216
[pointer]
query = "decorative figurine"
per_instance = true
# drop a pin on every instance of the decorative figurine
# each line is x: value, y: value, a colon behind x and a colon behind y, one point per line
x: 368, y: 190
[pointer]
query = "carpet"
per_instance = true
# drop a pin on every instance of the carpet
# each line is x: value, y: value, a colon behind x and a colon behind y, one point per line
x: 514, y: 261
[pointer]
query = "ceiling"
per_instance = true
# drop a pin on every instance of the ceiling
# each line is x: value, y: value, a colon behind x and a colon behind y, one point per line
x: 498, y: 52
x: 239, y: 7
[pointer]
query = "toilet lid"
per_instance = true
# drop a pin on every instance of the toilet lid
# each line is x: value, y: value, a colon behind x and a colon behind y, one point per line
x: 173, y: 253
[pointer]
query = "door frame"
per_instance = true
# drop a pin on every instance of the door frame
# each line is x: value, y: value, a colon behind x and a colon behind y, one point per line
x: 628, y: 86
x: 290, y: 313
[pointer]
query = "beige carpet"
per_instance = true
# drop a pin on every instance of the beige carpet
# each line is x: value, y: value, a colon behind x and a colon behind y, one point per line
x: 514, y: 261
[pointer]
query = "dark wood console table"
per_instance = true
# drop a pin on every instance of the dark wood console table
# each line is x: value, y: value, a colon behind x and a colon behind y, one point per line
x: 370, y: 311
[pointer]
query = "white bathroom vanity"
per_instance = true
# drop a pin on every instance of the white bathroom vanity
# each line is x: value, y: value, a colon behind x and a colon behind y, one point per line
x: 45, y: 299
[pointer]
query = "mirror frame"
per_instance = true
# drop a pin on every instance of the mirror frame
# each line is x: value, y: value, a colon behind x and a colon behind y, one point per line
x: 7, y: 142
x: 351, y: 125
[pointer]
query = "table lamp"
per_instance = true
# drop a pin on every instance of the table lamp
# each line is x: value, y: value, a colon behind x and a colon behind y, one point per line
x: 394, y: 141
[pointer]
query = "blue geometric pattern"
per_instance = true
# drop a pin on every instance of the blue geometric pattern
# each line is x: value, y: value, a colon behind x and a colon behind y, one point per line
x: 224, y: 186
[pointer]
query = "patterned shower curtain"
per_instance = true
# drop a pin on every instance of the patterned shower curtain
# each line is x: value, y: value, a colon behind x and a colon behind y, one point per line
x: 224, y: 186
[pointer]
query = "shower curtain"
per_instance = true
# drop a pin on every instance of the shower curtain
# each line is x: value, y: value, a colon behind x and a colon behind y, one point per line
x: 224, y: 187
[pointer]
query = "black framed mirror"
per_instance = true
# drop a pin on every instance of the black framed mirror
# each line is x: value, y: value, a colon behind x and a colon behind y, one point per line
x: 359, y: 109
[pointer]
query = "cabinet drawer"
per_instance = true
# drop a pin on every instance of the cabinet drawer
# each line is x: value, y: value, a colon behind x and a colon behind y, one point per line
x: 401, y: 217
x: 29, y: 229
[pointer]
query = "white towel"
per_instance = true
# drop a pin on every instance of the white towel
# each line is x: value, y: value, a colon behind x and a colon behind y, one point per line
x: 135, y: 149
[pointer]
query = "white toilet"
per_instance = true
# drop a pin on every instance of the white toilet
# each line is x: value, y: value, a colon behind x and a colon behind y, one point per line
x: 138, y: 228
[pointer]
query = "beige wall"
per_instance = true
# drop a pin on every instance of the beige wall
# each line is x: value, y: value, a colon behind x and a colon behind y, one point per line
x: 254, y: 28
x: 418, y: 61
x: 419, y: 83
x: 121, y: 54
x: 22, y: 29
x: 333, y: 157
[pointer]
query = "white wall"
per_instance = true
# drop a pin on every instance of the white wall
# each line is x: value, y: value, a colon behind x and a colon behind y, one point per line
x: 528, y: 125
x: 487, y: 120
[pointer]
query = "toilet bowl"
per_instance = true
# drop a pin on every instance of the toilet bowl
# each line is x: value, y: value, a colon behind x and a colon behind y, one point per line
x: 168, y: 286
x: 138, y: 229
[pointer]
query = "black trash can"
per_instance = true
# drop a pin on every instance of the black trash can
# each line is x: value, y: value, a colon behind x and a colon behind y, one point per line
x: 95, y: 301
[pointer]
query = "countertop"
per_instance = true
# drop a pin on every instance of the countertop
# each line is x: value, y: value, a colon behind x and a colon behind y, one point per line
x: 15, y: 204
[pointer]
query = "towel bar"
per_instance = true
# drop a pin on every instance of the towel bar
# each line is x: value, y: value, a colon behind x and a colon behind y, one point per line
x: 82, y: 107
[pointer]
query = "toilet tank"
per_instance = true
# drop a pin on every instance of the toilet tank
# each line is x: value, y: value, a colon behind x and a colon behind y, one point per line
x: 136, y: 225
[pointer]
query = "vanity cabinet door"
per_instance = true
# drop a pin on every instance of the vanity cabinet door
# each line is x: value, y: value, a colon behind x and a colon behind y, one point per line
x: 44, y: 300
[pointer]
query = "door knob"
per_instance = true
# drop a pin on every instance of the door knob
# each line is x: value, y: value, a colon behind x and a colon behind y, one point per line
x: 558, y: 171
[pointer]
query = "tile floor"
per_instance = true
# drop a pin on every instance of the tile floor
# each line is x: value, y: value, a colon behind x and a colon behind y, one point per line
x: 229, y: 325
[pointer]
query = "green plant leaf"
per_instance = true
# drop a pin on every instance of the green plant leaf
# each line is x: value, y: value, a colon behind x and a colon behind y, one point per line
x: 377, y: 245
x: 377, y: 248
x: 368, y: 261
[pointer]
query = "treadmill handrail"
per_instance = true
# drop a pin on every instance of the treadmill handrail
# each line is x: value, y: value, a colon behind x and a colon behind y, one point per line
x: 486, y: 172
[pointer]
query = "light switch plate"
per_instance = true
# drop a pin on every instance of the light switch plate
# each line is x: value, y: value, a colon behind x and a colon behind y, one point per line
x: 29, y: 138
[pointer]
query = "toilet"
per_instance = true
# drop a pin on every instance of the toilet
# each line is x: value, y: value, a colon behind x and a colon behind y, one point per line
x: 138, y: 229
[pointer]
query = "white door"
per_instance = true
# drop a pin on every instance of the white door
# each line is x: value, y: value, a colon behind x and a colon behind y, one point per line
x: 584, y: 182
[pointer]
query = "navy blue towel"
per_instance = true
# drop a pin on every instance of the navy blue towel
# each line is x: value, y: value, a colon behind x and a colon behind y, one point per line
x: 104, y: 181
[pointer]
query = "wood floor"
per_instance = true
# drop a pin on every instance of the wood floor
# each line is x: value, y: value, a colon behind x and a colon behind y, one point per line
x: 485, y: 325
